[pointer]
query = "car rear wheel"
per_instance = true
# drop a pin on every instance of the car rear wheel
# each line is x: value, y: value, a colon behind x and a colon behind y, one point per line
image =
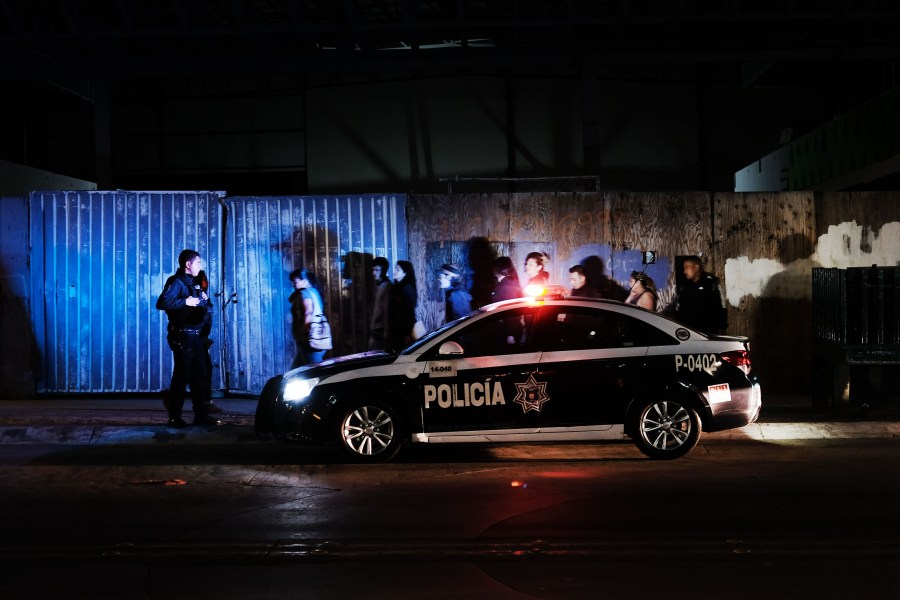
x: 666, y: 428
x: 369, y: 432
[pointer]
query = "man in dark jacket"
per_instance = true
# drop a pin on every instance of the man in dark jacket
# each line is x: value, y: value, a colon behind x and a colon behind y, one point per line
x: 699, y: 302
x: 203, y: 281
x: 581, y: 287
x: 458, y: 300
x: 186, y: 305
x: 379, y: 319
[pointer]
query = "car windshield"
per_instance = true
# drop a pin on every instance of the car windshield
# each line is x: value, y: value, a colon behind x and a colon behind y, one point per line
x: 431, y: 334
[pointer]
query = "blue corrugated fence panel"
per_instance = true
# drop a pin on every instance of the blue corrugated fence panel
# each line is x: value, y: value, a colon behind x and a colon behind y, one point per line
x: 102, y: 260
x: 334, y: 236
x: 17, y: 346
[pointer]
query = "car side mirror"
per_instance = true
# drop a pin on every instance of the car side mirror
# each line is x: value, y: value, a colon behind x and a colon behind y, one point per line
x: 450, y: 348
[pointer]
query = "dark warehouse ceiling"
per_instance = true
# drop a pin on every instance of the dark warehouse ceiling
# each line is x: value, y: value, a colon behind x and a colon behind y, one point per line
x: 91, y: 56
x: 70, y: 41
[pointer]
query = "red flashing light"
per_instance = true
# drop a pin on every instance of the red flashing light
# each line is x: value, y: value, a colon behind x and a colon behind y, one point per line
x: 738, y: 358
x: 534, y: 290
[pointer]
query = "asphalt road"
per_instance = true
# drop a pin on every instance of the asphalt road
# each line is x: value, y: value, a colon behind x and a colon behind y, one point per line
x: 737, y: 518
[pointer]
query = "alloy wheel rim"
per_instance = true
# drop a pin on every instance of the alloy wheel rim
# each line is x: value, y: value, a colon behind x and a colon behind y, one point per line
x: 666, y: 425
x: 368, y: 430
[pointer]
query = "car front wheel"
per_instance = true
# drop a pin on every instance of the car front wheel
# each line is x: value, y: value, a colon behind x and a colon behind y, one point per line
x: 369, y: 432
x: 666, y: 428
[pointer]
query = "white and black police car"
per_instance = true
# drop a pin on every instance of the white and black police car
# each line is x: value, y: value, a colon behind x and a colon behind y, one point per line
x: 545, y: 368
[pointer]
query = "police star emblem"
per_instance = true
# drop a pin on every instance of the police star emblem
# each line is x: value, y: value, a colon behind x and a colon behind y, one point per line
x: 532, y: 394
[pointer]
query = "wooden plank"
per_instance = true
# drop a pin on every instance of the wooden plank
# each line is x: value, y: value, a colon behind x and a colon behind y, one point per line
x: 582, y: 233
x: 871, y: 210
x: 669, y: 224
x: 531, y: 216
x: 772, y: 235
x: 442, y: 228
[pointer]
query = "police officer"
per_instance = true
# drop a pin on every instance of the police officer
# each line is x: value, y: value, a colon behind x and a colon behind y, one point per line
x: 186, y: 306
x: 203, y: 281
x: 698, y: 301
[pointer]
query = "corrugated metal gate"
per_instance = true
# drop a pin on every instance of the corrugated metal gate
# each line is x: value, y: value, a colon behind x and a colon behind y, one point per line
x: 266, y: 238
x: 18, y: 349
x: 99, y: 260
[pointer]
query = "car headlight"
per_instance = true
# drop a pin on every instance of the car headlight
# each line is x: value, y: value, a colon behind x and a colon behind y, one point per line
x: 298, y: 389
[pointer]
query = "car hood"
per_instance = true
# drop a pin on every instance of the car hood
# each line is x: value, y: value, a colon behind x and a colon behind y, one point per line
x: 333, y: 366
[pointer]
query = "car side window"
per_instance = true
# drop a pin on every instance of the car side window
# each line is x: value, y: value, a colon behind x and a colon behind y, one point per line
x: 579, y: 328
x: 506, y: 333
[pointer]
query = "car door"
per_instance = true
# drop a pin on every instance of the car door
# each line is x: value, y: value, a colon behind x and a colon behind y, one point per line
x: 476, y: 390
x: 592, y: 363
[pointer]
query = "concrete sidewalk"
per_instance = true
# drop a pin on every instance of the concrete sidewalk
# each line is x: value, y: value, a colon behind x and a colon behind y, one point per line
x: 117, y: 420
x: 141, y: 420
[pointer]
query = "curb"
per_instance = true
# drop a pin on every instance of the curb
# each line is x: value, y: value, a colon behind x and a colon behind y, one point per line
x: 241, y: 430
x: 123, y: 434
x: 805, y: 430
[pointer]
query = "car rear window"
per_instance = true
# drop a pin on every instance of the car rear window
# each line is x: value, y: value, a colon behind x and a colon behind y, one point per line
x: 580, y: 328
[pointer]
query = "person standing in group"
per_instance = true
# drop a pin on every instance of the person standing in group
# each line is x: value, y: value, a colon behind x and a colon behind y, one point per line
x: 508, y: 286
x: 535, y: 269
x: 698, y: 301
x: 186, y: 307
x: 307, y: 310
x: 202, y: 280
x: 379, y: 320
x: 642, y: 291
x: 402, y: 306
x: 458, y: 299
x: 581, y: 287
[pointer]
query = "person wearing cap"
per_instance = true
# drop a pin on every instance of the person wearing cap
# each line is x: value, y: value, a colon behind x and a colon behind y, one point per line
x: 458, y: 299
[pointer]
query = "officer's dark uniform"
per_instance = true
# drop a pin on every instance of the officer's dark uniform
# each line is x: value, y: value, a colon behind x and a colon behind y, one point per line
x: 699, y: 305
x: 188, y: 343
x: 206, y: 327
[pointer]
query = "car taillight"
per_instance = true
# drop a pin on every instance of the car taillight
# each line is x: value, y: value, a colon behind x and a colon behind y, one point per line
x: 738, y: 358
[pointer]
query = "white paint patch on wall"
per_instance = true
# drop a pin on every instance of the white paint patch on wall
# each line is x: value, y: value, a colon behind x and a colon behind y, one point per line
x: 745, y: 277
x: 848, y: 245
x: 767, y: 278
x: 843, y: 246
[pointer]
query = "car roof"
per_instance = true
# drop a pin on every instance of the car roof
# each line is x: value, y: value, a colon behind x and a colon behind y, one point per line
x: 659, y: 320
x: 566, y: 301
x: 662, y: 322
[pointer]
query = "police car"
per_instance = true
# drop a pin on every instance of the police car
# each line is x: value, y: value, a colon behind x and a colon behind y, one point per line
x: 532, y: 369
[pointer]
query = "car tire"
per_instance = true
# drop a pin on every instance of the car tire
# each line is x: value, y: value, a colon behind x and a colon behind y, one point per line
x: 262, y: 420
x: 262, y: 423
x: 665, y: 428
x: 369, y: 432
